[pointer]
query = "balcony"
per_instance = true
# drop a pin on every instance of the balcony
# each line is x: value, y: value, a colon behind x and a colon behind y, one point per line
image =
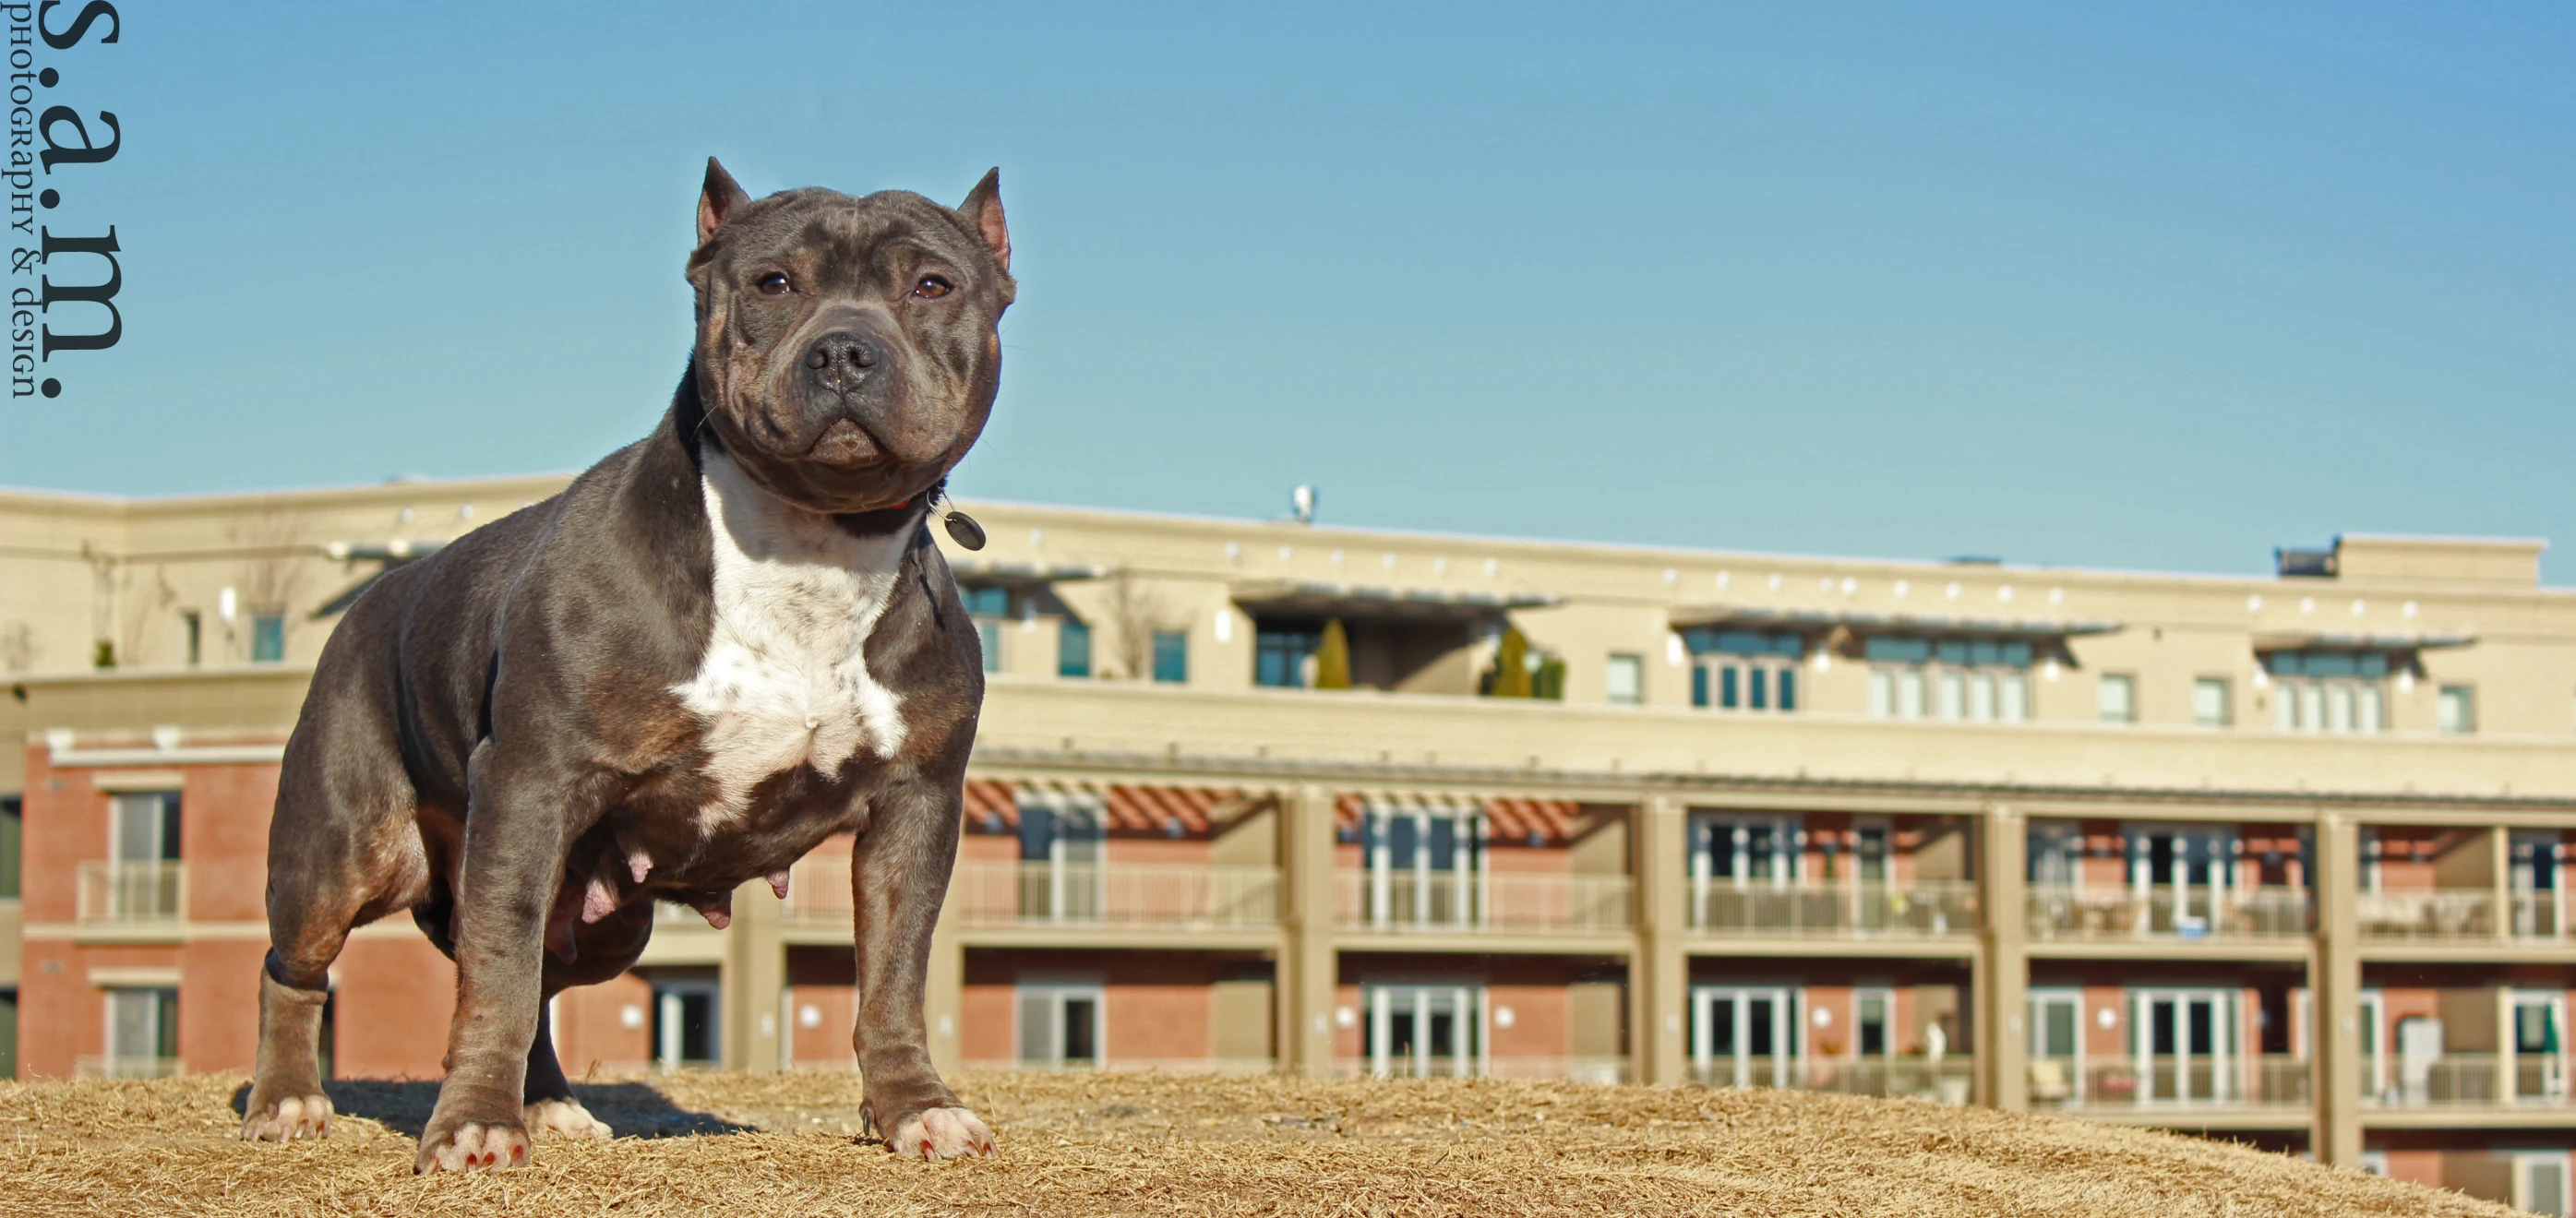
x: 1118, y: 896
x: 2123, y: 1086
x: 1573, y: 1069
x: 1488, y: 902
x: 101, y: 1066
x: 2432, y: 913
x: 2460, y: 914
x: 1841, y: 909
x: 2476, y: 1080
x: 1949, y: 1079
x: 132, y: 895
x: 2270, y: 913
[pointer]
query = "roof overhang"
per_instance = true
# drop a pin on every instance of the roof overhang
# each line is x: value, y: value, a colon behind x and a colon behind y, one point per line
x: 1022, y: 574
x: 2319, y: 641
x: 1382, y: 604
x: 1826, y: 621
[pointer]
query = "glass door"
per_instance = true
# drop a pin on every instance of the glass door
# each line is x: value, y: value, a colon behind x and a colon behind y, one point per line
x: 1871, y: 876
x: 2539, y: 1047
x: 687, y: 1029
x: 1060, y: 1026
x: 2180, y: 877
x: 2186, y: 1044
x: 2538, y: 910
x: 1424, y: 1031
x: 2374, y: 1047
x: 1425, y: 865
x: 2056, y: 1047
x: 1061, y: 876
x: 1742, y: 869
x: 1742, y: 1036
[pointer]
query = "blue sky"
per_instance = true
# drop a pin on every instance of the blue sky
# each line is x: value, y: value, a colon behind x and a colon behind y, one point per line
x: 2153, y: 288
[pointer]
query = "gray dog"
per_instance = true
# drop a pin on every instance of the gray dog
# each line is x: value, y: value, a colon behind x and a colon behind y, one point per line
x: 716, y: 648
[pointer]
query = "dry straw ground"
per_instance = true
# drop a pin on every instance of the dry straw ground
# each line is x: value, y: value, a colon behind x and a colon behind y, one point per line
x: 778, y: 1146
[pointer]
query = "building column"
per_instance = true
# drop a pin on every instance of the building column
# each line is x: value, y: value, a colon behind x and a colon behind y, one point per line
x: 1307, y: 973
x: 2334, y: 995
x: 2500, y: 873
x: 753, y: 972
x: 943, y: 996
x: 1658, y: 966
x: 2002, y: 968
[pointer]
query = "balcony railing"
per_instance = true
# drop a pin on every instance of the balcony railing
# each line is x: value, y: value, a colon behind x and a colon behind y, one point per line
x: 1131, y: 1065
x: 2535, y: 1079
x: 1490, y: 902
x: 2430, y: 913
x: 1834, y: 908
x: 2540, y: 915
x: 2058, y: 912
x: 2105, y: 1084
x: 102, y: 1066
x: 1951, y: 1079
x: 132, y: 894
x: 1140, y: 896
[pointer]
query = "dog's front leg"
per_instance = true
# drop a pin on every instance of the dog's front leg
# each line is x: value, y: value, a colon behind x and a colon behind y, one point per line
x: 512, y: 861
x: 898, y: 878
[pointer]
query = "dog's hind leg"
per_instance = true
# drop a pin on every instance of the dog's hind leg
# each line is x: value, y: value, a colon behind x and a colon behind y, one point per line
x: 344, y: 848
x: 602, y: 950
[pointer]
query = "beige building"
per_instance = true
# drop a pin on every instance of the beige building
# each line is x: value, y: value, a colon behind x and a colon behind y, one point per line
x: 2275, y: 857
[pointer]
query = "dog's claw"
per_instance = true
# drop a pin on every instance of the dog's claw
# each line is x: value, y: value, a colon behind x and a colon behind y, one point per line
x: 941, y: 1133
x: 473, y: 1147
x: 307, y: 1116
x: 563, y: 1117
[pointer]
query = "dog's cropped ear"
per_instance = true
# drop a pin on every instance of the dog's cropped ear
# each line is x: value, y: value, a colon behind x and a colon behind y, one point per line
x: 983, y: 210
x: 720, y: 197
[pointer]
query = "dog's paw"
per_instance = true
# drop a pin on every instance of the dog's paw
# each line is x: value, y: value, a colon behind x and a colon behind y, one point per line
x: 296, y: 1116
x: 472, y: 1147
x: 941, y: 1133
x: 563, y: 1117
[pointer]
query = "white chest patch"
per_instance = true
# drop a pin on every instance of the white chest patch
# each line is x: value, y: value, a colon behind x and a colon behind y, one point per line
x: 785, y: 679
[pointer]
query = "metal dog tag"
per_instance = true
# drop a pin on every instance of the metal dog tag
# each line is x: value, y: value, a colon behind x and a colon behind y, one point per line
x: 963, y: 528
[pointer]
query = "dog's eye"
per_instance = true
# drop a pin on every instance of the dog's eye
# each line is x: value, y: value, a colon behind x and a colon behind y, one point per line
x: 931, y: 287
x: 771, y: 284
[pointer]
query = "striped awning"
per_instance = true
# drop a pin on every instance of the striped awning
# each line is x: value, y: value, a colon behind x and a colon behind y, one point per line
x: 1547, y: 821
x: 993, y: 806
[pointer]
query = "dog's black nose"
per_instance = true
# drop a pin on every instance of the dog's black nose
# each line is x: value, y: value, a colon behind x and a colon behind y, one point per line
x: 841, y: 360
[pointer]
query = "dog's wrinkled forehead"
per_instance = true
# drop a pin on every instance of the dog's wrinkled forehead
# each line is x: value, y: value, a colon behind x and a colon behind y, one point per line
x: 843, y: 242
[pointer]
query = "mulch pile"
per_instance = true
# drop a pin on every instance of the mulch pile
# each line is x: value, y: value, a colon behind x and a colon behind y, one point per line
x: 781, y: 1146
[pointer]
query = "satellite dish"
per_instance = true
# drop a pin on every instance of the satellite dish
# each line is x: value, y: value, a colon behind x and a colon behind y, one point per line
x: 1302, y: 502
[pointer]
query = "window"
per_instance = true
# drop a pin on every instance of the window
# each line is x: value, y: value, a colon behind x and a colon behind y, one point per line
x: 145, y: 826
x: 1060, y: 1026
x: 1072, y: 649
x: 1280, y: 650
x: 192, y: 636
x: 1971, y: 680
x: 2455, y: 712
x: 686, y: 1024
x: 1172, y: 656
x: 2328, y: 691
x: 142, y: 1032
x: 988, y: 607
x: 1626, y: 679
x: 268, y: 636
x: 2119, y: 698
x: 2210, y: 705
x: 13, y: 830
x: 1748, y: 670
